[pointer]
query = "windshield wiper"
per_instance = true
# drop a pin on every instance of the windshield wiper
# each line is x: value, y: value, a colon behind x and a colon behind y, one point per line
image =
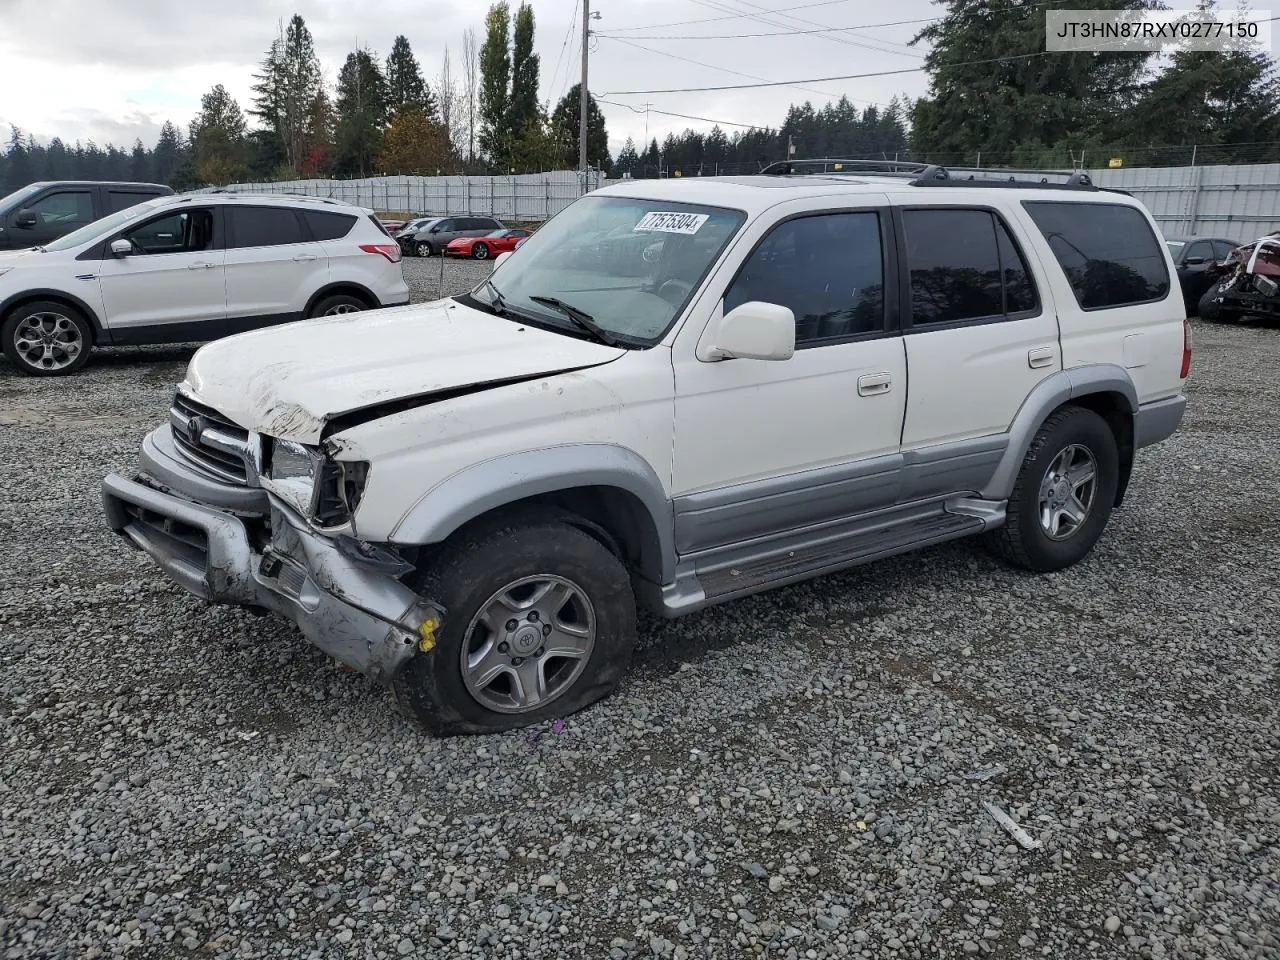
x: 582, y: 319
x: 497, y: 304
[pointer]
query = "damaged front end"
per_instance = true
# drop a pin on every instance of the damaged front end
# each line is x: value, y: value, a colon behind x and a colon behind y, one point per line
x: 1247, y: 282
x: 204, y: 507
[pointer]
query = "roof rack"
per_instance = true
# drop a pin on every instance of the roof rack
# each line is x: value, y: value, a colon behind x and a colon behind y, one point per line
x: 936, y: 175
x: 899, y: 168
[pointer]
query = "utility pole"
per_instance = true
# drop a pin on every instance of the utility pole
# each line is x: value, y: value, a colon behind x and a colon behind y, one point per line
x: 582, y: 94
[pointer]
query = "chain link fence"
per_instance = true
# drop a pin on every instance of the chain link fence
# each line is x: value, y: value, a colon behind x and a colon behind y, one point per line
x: 529, y: 198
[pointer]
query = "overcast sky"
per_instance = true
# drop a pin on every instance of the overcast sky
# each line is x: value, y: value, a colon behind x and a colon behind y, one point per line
x: 112, y: 72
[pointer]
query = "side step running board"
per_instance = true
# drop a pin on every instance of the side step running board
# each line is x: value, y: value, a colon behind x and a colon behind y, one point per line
x: 793, y: 566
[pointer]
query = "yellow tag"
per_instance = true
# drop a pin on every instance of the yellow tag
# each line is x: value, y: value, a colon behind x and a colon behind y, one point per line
x: 428, y: 634
x: 862, y: 825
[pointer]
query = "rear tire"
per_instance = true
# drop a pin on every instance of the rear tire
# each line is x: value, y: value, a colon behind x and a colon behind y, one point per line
x: 46, y: 339
x: 336, y: 305
x: 1064, y: 493
x: 485, y: 675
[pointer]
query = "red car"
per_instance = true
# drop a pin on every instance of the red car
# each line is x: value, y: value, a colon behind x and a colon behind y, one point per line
x: 490, y: 245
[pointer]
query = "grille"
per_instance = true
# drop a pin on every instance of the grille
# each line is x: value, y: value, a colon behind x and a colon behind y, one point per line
x: 211, y: 442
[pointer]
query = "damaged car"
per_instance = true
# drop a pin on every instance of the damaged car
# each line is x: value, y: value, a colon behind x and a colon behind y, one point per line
x: 1245, y: 283
x: 675, y: 395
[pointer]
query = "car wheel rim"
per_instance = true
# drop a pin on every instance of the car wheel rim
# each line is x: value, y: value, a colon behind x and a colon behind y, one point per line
x: 1067, y: 492
x: 340, y: 308
x: 482, y: 253
x: 528, y: 644
x: 424, y: 249
x: 48, y: 341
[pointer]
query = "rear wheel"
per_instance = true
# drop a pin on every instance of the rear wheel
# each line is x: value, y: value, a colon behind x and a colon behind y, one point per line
x: 46, y: 339
x: 338, y: 304
x: 1063, y: 495
x: 480, y: 251
x: 424, y: 249
x: 541, y: 622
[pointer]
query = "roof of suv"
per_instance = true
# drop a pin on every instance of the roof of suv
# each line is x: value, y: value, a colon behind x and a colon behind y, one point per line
x: 132, y: 184
x: 759, y: 192
x: 229, y: 198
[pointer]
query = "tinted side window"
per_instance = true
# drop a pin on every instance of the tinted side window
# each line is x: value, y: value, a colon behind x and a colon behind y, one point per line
x: 828, y: 269
x: 328, y: 226
x: 1108, y: 251
x: 1200, y: 249
x: 184, y: 232
x: 447, y: 226
x: 955, y: 265
x: 65, y: 207
x: 263, y: 226
x: 1222, y: 249
x: 1019, y: 289
x: 118, y: 200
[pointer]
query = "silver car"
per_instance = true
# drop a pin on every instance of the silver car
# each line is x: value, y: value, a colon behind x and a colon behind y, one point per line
x: 426, y: 238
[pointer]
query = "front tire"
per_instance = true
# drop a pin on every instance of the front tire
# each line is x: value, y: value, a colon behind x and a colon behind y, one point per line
x: 424, y: 249
x: 46, y: 339
x: 480, y: 251
x: 1064, y: 493
x: 1212, y: 310
x: 540, y: 622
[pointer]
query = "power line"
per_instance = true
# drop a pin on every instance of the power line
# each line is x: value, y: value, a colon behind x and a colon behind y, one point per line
x: 709, y: 66
x: 759, y: 18
x: 682, y: 116
x: 779, y: 33
x: 568, y: 35
x: 736, y: 16
x: 904, y: 49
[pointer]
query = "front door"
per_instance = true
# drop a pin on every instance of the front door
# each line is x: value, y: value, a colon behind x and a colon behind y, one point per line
x: 171, y: 286
x: 56, y: 213
x: 762, y: 447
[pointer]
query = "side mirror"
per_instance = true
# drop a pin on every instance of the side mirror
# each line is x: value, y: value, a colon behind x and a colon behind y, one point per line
x: 25, y: 220
x: 755, y: 331
x: 1195, y: 261
x: 499, y: 258
x: 121, y: 248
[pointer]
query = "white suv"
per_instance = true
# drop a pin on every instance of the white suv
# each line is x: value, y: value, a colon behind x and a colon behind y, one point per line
x: 676, y: 393
x: 192, y: 268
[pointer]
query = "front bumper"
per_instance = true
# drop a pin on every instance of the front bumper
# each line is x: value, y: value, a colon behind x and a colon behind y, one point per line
x: 345, y: 606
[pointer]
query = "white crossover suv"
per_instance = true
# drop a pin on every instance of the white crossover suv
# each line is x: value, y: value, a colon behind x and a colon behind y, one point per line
x: 192, y: 268
x: 677, y: 393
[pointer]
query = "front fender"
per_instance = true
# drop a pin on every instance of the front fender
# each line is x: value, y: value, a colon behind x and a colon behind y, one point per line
x: 495, y: 483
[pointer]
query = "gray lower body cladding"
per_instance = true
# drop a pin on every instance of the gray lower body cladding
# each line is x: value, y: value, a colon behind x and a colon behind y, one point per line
x: 357, y: 614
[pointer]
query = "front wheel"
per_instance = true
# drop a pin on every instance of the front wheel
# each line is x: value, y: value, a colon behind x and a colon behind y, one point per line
x: 480, y: 251
x: 1213, y: 310
x: 540, y: 622
x: 1063, y: 495
x: 46, y: 339
x: 424, y: 249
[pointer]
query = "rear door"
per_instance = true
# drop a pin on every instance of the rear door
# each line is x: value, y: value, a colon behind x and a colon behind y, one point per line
x: 979, y: 336
x: 171, y: 287
x: 273, y: 266
x: 121, y: 198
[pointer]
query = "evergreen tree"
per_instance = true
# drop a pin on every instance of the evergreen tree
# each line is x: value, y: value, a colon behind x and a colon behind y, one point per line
x: 567, y: 118
x: 139, y: 163
x: 627, y: 160
x: 286, y: 88
x: 218, y: 138
x: 523, y: 109
x: 495, y: 75
x: 168, y: 153
x: 361, y: 115
x: 19, y: 172
x: 405, y: 85
x: 418, y: 145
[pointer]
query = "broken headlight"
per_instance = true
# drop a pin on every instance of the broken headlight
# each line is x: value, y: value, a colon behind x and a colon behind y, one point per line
x: 338, y: 492
x: 292, y: 468
x: 327, y: 491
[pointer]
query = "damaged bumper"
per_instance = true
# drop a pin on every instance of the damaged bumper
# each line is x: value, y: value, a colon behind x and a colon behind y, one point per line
x: 351, y: 610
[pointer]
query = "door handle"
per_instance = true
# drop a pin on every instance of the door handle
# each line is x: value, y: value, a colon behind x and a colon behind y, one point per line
x: 200, y: 266
x: 1040, y: 357
x: 305, y: 256
x: 874, y: 384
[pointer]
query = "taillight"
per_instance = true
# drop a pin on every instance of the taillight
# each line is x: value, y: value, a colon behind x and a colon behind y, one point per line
x: 1186, y: 349
x: 389, y: 250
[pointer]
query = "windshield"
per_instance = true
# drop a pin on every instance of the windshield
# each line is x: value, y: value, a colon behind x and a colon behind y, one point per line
x: 501, y: 233
x: 632, y: 265
x: 14, y: 200
x: 99, y: 228
x: 1175, y: 246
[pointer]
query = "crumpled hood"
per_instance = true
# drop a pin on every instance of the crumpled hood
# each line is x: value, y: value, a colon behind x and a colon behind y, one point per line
x: 287, y: 381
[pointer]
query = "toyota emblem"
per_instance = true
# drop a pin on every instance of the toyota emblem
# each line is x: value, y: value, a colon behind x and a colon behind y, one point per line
x: 195, y: 426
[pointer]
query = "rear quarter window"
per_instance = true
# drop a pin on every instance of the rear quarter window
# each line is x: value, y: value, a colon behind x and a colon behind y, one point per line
x: 329, y: 226
x: 1108, y: 252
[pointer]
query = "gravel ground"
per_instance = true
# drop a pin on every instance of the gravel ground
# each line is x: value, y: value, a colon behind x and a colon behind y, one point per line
x: 786, y: 776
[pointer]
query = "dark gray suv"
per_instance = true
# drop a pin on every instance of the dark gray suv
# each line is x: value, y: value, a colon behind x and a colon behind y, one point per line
x: 433, y: 236
x: 42, y: 212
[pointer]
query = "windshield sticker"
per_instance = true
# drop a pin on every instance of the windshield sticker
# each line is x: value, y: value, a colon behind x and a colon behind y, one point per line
x: 687, y: 223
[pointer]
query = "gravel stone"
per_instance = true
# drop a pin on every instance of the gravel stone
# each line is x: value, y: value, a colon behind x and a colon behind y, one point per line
x: 186, y: 780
